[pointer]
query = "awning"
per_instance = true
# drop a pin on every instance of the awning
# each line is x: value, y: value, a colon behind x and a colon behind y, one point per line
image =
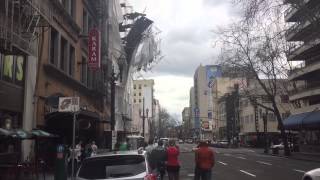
x: 15, y: 133
x: 42, y: 134
x: 308, y: 121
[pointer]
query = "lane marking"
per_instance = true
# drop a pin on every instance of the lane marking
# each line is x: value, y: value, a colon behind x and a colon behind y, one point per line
x: 247, y: 173
x: 222, y: 163
x: 190, y: 175
x: 241, y: 157
x: 299, y: 170
x: 265, y: 163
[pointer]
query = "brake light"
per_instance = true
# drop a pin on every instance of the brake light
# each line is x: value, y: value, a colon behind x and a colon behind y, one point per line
x: 150, y: 177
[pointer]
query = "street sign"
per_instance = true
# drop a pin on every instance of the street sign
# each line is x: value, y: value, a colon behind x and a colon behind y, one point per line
x: 69, y: 104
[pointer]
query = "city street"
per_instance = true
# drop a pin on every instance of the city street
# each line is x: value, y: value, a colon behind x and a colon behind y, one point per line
x: 245, y: 164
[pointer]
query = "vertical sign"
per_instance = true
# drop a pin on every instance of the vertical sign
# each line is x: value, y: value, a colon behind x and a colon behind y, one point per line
x: 94, y: 49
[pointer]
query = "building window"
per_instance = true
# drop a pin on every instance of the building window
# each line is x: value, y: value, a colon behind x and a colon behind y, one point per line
x: 139, y: 86
x: 63, y: 54
x: 69, y: 6
x: 284, y: 98
x: 84, y: 71
x: 54, y: 46
x: 134, y: 101
x: 134, y: 87
x: 139, y: 93
x: 139, y: 100
x: 12, y: 69
x: 8, y: 68
x: 85, y: 22
x: 134, y: 94
x: 71, y: 60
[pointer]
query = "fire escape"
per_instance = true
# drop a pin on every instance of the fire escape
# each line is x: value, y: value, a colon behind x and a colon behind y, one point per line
x: 20, y: 20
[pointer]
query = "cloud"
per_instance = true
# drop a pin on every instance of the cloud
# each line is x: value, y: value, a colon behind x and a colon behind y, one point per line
x: 186, y: 38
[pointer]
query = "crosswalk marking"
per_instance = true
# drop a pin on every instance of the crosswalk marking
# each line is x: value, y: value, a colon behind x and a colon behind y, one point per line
x: 299, y: 170
x: 222, y: 163
x: 265, y: 163
x: 245, y: 172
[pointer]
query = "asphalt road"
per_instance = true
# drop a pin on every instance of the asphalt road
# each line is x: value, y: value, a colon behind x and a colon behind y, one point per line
x: 246, y: 164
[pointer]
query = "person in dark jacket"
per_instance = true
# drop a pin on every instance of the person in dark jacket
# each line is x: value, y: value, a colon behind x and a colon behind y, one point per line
x: 204, y: 160
x: 157, y: 159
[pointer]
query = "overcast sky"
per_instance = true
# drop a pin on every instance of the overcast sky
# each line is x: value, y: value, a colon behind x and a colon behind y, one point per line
x: 187, y: 40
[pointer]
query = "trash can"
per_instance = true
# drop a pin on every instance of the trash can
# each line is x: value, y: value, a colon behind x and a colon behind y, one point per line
x: 59, y: 168
x: 275, y: 150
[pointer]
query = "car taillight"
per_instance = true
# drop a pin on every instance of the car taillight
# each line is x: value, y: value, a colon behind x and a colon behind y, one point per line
x: 150, y: 177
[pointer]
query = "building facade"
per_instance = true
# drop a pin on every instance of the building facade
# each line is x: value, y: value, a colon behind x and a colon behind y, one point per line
x: 305, y: 96
x: 193, y: 124
x: 143, y: 96
x: 204, y: 113
x: 186, y: 123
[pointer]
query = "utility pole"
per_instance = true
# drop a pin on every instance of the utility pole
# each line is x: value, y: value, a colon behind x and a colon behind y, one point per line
x: 143, y: 117
x: 265, y: 128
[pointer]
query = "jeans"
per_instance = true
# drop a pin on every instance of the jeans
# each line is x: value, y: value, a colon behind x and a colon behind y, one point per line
x: 202, y: 174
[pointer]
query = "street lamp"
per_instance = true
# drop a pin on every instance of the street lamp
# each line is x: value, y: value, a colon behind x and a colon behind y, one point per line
x: 143, y: 116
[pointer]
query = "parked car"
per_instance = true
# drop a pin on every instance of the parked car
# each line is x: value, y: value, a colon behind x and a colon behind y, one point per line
x: 181, y: 141
x: 189, y: 141
x: 281, y: 146
x: 223, y: 143
x: 312, y: 175
x: 129, y: 165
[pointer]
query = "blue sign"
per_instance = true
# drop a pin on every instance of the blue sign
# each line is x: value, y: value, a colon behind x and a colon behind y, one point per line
x: 60, y: 149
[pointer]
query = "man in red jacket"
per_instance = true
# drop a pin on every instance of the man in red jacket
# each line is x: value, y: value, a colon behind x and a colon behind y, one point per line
x: 204, y: 157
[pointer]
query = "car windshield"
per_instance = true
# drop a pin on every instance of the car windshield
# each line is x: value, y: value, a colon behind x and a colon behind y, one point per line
x: 112, y: 167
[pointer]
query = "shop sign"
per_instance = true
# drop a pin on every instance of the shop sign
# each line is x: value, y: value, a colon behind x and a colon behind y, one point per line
x: 69, y: 104
x: 94, y: 49
x: 13, y: 69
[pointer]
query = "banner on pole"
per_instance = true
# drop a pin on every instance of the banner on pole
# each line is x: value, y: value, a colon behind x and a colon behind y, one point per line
x: 94, y: 49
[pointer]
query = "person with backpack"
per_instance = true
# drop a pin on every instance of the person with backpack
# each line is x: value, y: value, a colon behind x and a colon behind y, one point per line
x: 204, y: 160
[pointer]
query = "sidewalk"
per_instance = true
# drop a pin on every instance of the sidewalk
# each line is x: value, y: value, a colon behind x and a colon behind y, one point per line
x: 315, y: 157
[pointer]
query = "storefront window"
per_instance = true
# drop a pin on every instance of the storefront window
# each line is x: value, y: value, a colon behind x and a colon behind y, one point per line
x: 8, y: 69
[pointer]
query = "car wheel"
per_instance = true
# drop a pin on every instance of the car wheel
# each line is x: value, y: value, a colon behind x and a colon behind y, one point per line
x: 307, y: 178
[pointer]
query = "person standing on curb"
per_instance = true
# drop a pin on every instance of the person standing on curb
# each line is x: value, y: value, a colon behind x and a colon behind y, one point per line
x: 173, y: 165
x: 204, y: 160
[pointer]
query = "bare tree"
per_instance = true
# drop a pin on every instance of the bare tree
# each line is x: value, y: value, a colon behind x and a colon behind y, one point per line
x: 166, y: 121
x: 258, y: 47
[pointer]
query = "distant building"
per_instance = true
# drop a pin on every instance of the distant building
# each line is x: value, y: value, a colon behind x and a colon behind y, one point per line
x: 193, y: 125
x: 203, y: 83
x: 306, y: 95
x: 186, y: 122
x: 142, y: 97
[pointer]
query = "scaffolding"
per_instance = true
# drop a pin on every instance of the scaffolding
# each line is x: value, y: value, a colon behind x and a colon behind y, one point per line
x: 20, y: 20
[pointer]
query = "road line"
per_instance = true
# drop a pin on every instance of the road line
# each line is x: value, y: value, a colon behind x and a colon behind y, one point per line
x: 251, y: 150
x: 241, y: 157
x: 299, y: 170
x: 222, y: 163
x: 247, y: 173
x: 265, y: 163
x: 190, y: 175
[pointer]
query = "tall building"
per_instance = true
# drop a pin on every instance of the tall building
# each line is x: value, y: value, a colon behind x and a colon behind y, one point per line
x: 156, y: 119
x: 193, y: 124
x: 142, y: 106
x: 186, y: 122
x: 305, y: 95
x: 203, y: 82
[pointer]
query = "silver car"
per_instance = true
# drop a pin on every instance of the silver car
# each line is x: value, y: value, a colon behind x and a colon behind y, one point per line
x: 312, y: 175
x: 123, y: 165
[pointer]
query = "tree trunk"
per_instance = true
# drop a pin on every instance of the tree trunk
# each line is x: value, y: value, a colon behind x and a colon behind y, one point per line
x: 282, y: 130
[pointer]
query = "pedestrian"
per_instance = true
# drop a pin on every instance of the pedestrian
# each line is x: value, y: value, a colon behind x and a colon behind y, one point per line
x: 87, y: 150
x: 173, y: 165
x: 149, y: 147
x: 158, y: 157
x: 94, y: 149
x: 204, y: 160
